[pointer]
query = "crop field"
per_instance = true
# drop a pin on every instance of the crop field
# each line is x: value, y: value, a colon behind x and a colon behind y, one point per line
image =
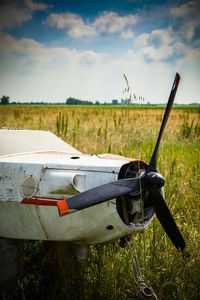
x: 109, y: 273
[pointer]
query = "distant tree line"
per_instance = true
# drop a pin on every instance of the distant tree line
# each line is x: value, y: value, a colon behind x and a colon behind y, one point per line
x: 5, y: 100
x: 74, y: 101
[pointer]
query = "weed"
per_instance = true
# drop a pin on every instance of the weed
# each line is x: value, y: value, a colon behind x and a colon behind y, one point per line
x: 61, y: 124
x: 186, y: 128
x: 110, y: 148
x: 106, y: 132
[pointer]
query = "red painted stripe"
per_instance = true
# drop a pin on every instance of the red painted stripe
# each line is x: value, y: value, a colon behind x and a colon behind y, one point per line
x: 118, y: 157
x: 48, y: 201
x: 45, y: 198
x: 51, y: 152
x: 39, y: 202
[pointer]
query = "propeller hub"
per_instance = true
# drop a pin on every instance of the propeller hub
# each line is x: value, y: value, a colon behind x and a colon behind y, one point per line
x: 154, y: 180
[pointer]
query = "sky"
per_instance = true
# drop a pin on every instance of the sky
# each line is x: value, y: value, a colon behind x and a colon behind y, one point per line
x: 52, y: 50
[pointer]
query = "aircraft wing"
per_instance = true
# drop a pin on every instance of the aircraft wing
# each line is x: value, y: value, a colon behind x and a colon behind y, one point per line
x: 15, y: 141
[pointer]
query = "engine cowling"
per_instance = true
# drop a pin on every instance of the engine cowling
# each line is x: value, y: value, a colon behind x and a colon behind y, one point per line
x: 134, y: 208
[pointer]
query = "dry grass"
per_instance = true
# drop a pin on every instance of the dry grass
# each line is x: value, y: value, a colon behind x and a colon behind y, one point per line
x: 132, y: 132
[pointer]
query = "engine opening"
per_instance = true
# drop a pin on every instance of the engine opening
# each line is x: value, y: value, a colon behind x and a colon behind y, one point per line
x: 135, y: 209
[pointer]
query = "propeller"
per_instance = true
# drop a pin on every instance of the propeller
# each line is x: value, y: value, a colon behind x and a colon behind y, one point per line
x: 151, y: 180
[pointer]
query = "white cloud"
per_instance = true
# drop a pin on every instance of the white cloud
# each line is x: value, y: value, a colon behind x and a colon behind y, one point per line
x: 158, y: 36
x: 21, y: 49
x: 35, y: 6
x: 191, y: 59
x: 127, y: 34
x: 107, y: 23
x: 189, y: 28
x: 32, y: 71
x: 36, y: 53
x: 91, y: 58
x: 189, y: 8
x: 110, y: 22
x: 142, y: 40
x: 72, y: 23
x: 162, y: 35
x: 160, y: 44
x: 187, y: 16
x: 14, y: 13
x: 157, y: 54
x: 10, y: 16
x: 157, y: 45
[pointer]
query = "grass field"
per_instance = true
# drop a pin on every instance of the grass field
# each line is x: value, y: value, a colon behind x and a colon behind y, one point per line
x: 109, y: 273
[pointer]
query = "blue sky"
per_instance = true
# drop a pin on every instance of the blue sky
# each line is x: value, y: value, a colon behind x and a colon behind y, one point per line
x: 52, y: 50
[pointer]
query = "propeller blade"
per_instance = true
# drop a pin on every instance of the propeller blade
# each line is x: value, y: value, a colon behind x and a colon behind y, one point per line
x: 104, y: 193
x: 153, y: 160
x: 115, y: 189
x: 166, y: 220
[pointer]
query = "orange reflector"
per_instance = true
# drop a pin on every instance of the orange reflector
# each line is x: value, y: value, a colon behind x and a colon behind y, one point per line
x: 62, y: 207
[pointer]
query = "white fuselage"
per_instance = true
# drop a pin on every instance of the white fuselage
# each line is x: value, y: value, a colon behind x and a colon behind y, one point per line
x: 33, y: 182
